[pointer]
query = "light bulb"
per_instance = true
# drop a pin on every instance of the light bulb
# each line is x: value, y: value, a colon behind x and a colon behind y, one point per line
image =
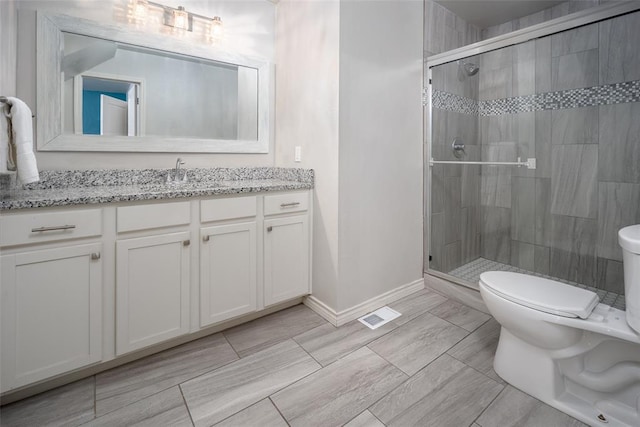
x: 215, y: 31
x: 181, y: 18
x: 140, y: 10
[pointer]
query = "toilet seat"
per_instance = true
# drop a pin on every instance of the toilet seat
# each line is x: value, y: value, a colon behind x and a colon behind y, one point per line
x: 541, y: 294
x: 629, y: 238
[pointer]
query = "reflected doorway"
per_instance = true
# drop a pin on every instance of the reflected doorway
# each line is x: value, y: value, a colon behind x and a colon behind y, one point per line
x: 108, y: 105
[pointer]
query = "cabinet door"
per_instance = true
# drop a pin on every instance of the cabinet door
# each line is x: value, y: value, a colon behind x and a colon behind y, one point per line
x: 227, y: 272
x: 51, y: 312
x: 152, y: 290
x: 286, y: 258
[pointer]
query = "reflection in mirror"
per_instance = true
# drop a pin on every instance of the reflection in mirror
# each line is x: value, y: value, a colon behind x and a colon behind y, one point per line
x: 118, y: 89
x: 106, y: 106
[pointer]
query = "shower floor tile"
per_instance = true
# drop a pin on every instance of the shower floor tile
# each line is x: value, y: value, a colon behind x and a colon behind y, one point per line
x: 472, y: 270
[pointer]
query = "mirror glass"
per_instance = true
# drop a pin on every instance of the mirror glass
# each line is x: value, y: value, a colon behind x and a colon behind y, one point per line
x: 116, y: 89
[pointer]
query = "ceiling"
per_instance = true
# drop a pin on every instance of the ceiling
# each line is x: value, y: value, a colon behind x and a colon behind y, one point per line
x: 487, y: 13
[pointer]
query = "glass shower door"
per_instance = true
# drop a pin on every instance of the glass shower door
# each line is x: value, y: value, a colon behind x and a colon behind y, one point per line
x: 569, y: 101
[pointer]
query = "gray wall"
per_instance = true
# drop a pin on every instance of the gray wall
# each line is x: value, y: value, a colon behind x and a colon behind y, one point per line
x: 307, y: 96
x: 349, y: 95
x: 380, y: 193
x: 444, y: 30
x: 562, y: 9
x: 8, y: 35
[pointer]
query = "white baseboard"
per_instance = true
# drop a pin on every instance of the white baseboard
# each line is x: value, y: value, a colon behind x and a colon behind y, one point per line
x: 321, y: 308
x: 359, y: 310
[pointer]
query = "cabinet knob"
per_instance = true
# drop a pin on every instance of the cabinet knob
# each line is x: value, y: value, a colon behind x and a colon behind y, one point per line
x: 95, y: 256
x: 186, y: 242
x: 205, y: 238
x: 270, y: 228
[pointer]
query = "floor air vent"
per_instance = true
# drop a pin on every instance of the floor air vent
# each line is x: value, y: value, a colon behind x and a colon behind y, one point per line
x: 379, y: 317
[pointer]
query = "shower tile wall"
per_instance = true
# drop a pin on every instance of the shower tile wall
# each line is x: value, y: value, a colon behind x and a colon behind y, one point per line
x: 506, y: 190
x: 562, y: 219
x: 454, y: 236
x: 443, y: 30
x: 562, y: 9
x: 455, y: 191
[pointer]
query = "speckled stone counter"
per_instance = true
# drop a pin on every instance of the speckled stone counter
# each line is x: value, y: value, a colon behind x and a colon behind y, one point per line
x: 66, y: 188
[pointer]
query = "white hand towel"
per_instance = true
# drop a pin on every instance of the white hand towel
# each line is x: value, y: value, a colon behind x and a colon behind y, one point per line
x: 4, y: 140
x: 22, y: 125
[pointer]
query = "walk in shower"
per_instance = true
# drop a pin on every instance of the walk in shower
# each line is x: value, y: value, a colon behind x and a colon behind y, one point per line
x: 533, y: 153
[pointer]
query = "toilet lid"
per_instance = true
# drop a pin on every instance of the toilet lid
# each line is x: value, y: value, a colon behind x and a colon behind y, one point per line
x: 541, y: 294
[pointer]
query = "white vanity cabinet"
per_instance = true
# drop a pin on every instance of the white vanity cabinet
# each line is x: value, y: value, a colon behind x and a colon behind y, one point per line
x: 83, y: 286
x: 152, y: 274
x: 51, y: 287
x: 228, y: 259
x: 286, y: 247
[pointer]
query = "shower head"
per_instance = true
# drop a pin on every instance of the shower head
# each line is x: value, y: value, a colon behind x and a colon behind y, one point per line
x: 468, y: 68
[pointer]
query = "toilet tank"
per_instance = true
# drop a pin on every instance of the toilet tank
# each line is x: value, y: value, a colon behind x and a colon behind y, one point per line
x: 629, y: 239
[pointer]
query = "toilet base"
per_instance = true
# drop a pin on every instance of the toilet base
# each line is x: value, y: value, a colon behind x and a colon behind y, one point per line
x: 534, y: 371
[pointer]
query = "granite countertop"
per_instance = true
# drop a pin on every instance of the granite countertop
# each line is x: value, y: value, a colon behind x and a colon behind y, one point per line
x: 67, y: 188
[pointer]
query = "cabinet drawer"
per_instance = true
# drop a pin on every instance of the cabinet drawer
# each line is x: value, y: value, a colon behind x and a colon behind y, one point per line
x: 144, y: 217
x: 231, y: 208
x: 34, y: 227
x: 284, y: 203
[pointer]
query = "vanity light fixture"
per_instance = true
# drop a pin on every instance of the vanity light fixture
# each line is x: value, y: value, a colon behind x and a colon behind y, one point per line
x: 146, y: 11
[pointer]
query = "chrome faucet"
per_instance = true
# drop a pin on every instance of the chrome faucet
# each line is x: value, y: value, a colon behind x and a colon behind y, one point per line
x: 176, y: 172
x: 177, y: 169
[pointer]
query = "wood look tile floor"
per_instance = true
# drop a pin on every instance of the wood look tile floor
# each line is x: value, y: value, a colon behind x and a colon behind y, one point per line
x: 430, y: 367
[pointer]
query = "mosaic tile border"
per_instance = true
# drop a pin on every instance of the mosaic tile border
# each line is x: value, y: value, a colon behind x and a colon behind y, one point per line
x: 456, y: 103
x: 616, y: 93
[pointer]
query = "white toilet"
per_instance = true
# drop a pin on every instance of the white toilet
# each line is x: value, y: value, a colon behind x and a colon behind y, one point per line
x: 560, y: 345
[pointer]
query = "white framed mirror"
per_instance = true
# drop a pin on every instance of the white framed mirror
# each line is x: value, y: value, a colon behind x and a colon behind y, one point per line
x: 105, y: 87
